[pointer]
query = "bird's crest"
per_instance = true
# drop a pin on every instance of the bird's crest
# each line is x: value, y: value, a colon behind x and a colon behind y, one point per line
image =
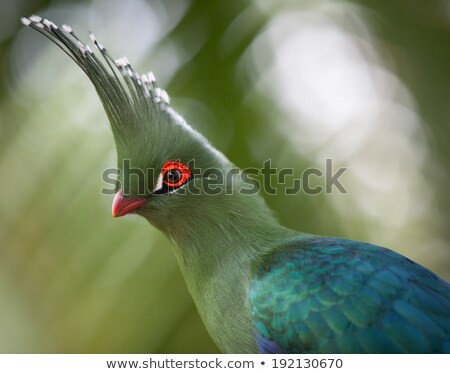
x: 129, y: 99
x: 148, y: 132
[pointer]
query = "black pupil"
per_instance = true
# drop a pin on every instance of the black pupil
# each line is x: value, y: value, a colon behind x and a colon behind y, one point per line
x: 172, y: 176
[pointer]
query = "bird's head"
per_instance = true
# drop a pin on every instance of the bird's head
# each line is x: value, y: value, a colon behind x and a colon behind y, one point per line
x: 163, y: 163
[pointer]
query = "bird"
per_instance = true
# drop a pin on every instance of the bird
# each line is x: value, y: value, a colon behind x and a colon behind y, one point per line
x: 258, y: 286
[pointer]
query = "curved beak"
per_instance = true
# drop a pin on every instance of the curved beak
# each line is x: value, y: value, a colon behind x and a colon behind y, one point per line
x: 124, y: 205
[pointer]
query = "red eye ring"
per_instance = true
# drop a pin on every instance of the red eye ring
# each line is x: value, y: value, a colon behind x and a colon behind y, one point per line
x: 183, y: 174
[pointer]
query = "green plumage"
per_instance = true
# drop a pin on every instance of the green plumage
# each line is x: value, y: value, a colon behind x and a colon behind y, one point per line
x: 333, y: 295
x: 258, y: 286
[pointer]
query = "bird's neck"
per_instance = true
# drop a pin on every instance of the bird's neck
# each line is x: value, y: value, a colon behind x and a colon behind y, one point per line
x: 216, y: 250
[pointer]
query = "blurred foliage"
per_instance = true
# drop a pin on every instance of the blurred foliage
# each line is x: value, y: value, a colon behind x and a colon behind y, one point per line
x: 72, y: 279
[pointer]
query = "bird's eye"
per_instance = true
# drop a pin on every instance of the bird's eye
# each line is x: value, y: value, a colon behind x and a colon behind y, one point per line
x: 174, y: 174
x: 173, y: 177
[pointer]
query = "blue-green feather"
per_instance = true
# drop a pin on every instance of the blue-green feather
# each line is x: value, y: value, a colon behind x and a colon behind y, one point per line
x: 318, y: 295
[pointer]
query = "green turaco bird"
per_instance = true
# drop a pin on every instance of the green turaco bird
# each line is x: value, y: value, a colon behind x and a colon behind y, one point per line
x: 258, y: 286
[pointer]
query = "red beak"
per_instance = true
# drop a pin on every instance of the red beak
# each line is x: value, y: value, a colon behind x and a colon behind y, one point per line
x: 124, y: 205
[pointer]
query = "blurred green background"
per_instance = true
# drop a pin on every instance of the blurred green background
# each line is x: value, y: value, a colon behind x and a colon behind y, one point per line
x: 366, y: 83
